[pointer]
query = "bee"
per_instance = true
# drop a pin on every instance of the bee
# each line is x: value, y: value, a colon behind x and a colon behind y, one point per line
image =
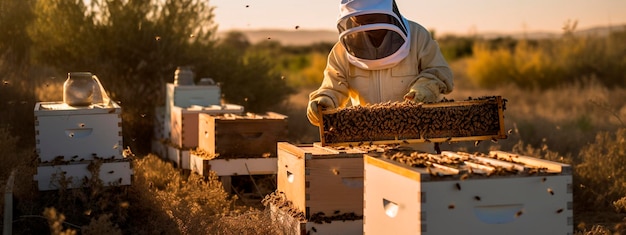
x: 465, y: 176
x: 493, y: 139
x: 477, y: 198
x: 111, y: 172
x: 519, y: 213
x: 71, y: 135
x: 75, y: 156
x: 297, y: 26
x: 476, y: 143
x: 143, y: 115
x: 544, y: 179
x: 314, y: 229
x: 550, y: 191
x: 458, y: 186
x: 81, y: 125
x: 336, y: 212
x: 559, y: 211
x: 451, y: 206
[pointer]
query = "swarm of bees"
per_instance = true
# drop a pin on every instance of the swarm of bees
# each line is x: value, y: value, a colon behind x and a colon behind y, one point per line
x: 321, y: 217
x: 410, y: 120
x: 210, y: 156
x: 279, y: 199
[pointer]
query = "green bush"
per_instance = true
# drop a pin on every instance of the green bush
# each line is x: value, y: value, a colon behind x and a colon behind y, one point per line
x: 601, y: 172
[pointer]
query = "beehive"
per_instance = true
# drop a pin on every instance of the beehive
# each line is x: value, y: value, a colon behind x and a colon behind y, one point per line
x: 232, y: 166
x: 408, y: 122
x: 242, y: 136
x: 185, y: 96
x: 454, y: 193
x: 184, y: 122
x: 72, y: 175
x: 65, y: 133
x: 320, y: 180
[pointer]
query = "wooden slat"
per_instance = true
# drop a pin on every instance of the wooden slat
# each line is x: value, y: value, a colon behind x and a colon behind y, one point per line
x: 552, y: 167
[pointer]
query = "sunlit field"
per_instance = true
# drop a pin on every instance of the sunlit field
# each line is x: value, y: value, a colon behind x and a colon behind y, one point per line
x: 566, y: 102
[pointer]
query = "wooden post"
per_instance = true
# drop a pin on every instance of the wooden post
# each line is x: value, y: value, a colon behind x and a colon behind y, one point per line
x: 8, y: 205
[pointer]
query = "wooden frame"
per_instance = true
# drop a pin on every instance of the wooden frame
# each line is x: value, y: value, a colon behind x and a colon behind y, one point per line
x: 501, y: 134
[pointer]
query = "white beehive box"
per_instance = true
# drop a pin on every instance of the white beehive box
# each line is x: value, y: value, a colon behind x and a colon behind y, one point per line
x: 399, y: 199
x: 234, y: 166
x: 72, y: 175
x: 180, y: 157
x: 73, y: 133
x: 187, y: 95
x: 240, y: 136
x: 321, y: 180
x: 184, y: 122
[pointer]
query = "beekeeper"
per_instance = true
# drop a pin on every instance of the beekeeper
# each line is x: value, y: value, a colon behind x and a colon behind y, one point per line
x: 380, y: 56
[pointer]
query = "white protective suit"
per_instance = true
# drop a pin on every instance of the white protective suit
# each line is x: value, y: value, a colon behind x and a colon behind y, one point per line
x: 364, y: 73
x: 365, y: 79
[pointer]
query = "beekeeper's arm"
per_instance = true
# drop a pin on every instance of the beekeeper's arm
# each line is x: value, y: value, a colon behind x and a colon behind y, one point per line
x: 333, y: 92
x: 435, y: 77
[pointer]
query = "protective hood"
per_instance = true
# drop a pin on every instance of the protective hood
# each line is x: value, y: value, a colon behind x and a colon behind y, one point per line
x: 374, y: 33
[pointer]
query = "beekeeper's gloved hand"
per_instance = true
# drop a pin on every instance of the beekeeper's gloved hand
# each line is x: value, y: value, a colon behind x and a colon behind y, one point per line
x: 313, y: 111
x: 425, y: 90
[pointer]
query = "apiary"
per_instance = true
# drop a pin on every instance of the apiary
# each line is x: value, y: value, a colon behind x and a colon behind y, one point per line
x: 65, y: 133
x: 461, y: 193
x: 184, y: 122
x: 112, y: 172
x: 242, y: 136
x: 408, y: 122
x: 322, y: 183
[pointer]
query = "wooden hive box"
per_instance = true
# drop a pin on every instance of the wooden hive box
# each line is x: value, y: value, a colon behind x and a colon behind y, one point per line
x: 65, y: 133
x: 242, y: 136
x: 184, y: 122
x: 72, y: 175
x: 321, y: 180
x: 535, y: 197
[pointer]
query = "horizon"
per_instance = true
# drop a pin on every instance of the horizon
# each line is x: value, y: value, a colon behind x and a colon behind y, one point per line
x: 475, y: 17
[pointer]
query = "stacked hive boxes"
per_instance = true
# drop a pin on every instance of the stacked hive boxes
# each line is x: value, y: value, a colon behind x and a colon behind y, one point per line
x: 327, y: 190
x: 73, y: 140
x: 179, y: 119
x: 452, y: 193
x: 185, y: 96
x: 324, y: 185
x: 233, y: 144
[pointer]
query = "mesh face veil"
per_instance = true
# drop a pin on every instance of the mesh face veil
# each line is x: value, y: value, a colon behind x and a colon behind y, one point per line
x: 374, y: 33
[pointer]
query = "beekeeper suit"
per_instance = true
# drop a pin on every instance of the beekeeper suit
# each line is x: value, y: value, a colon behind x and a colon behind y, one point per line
x: 380, y: 57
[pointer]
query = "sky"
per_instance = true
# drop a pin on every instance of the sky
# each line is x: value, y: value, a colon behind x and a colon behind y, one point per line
x: 444, y: 16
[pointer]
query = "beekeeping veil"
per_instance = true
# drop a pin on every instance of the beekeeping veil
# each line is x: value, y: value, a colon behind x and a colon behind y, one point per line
x: 374, y: 33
